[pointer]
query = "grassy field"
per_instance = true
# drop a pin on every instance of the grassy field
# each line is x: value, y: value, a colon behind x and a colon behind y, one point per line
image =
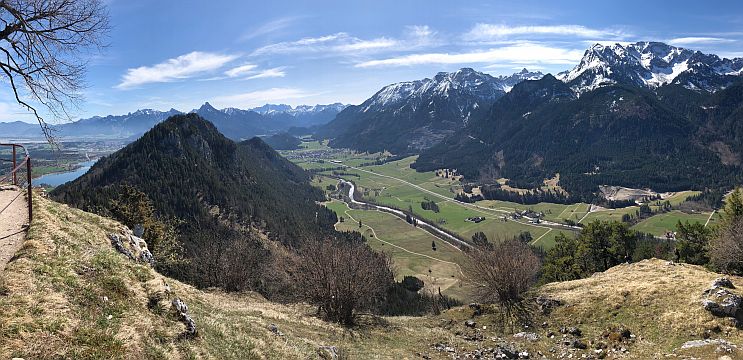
x: 382, y: 184
x: 410, y: 249
x: 659, y: 224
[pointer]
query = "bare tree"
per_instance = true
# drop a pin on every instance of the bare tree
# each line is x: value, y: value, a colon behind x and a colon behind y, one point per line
x: 342, y: 277
x: 502, y: 273
x: 726, y: 250
x: 42, y: 48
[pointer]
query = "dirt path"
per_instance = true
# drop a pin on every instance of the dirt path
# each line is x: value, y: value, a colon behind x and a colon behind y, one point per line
x: 12, y: 222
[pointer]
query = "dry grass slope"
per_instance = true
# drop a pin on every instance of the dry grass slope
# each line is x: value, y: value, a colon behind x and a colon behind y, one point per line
x: 68, y: 294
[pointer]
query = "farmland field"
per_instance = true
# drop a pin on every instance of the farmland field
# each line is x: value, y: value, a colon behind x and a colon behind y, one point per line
x: 382, y: 184
x: 659, y: 224
x: 409, y: 247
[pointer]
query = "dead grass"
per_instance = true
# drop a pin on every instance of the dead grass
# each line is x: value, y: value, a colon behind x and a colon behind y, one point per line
x: 52, y: 300
x: 659, y: 301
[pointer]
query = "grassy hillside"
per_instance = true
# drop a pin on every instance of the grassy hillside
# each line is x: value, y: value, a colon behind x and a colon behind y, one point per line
x: 68, y: 294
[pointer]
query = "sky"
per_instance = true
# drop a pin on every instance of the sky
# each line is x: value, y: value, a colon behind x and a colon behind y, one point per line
x: 181, y: 53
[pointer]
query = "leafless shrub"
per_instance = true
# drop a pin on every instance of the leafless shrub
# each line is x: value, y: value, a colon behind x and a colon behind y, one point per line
x: 342, y: 277
x: 41, y: 48
x: 503, y: 273
x: 726, y: 251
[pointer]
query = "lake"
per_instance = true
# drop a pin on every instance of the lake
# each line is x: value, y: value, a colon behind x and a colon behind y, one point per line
x: 57, y: 179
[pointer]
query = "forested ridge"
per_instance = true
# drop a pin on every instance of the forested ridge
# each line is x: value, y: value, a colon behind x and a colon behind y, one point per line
x: 218, y: 193
x: 670, y: 139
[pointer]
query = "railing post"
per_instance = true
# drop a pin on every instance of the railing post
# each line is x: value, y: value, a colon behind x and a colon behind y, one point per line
x: 30, y: 190
x: 15, y: 178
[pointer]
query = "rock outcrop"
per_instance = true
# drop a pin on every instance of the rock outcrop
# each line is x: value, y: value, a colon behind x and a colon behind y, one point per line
x: 132, y: 245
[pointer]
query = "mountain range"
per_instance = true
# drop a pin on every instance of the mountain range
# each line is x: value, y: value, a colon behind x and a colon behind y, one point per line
x: 235, y: 123
x: 409, y: 117
x: 413, y: 115
x: 610, y: 121
x: 651, y: 65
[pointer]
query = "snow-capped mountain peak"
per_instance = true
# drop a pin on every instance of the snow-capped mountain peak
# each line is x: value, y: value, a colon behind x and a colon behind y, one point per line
x: 464, y: 82
x: 299, y: 109
x: 651, y: 65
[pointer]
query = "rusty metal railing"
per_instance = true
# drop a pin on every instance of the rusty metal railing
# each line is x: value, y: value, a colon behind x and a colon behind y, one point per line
x: 13, y: 178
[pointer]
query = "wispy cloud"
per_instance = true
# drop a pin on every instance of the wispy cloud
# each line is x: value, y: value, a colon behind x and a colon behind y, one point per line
x: 13, y: 112
x: 181, y: 67
x: 682, y: 41
x: 529, y: 53
x: 489, y: 32
x: 260, y: 97
x: 241, y: 70
x: 334, y: 43
x: 269, y: 73
x: 251, y: 71
x: 363, y: 45
x: 270, y: 27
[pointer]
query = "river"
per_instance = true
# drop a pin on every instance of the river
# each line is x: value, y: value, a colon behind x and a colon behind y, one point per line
x: 426, y: 226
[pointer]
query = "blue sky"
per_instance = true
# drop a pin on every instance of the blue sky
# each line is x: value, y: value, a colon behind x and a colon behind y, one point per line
x: 178, y: 54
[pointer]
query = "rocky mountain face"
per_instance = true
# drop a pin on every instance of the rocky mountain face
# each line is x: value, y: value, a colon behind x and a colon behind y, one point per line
x: 410, y: 116
x: 651, y: 65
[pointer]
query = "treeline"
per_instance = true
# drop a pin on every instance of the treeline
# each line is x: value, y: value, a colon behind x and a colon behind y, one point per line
x: 319, y: 170
x: 713, y: 199
x: 601, y: 245
x: 531, y: 197
x: 382, y: 161
x: 429, y: 205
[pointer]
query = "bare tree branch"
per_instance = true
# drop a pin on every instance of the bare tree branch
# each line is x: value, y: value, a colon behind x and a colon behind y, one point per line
x: 45, y: 43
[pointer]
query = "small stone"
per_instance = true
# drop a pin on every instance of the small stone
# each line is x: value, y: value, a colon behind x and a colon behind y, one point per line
x: 138, y: 230
x: 179, y: 305
x: 529, y: 336
x: 571, y: 330
x: 275, y: 329
x: 723, y: 282
x: 477, y: 308
x: 470, y: 323
x: 328, y: 352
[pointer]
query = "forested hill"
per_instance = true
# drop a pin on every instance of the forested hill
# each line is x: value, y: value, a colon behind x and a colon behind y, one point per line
x: 216, y: 191
x: 669, y: 139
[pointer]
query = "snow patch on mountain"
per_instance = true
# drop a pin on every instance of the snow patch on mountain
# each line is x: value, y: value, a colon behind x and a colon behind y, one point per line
x: 299, y: 109
x: 466, y: 81
x: 651, y: 65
